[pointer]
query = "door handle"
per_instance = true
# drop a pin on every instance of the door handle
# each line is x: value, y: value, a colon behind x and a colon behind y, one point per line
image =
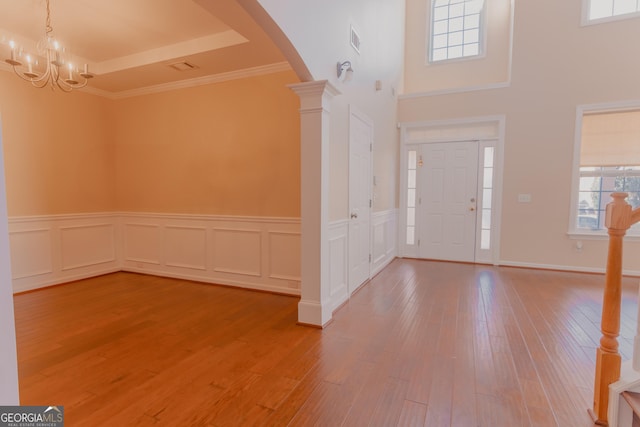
x: 354, y: 215
x: 472, y: 209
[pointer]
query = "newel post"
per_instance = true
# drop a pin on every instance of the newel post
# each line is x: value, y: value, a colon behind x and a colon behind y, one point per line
x: 617, y: 221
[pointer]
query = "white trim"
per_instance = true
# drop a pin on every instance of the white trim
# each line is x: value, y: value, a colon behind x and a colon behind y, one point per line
x: 338, y: 262
x: 183, y: 84
x: 618, y: 412
x: 387, y: 220
x: 452, y: 122
x: 200, y: 217
x: 315, y: 129
x: 41, y: 262
x: 489, y: 86
x: 60, y: 217
x: 567, y: 268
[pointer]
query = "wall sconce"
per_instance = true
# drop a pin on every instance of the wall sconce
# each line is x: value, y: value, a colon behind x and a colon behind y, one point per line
x: 345, y: 67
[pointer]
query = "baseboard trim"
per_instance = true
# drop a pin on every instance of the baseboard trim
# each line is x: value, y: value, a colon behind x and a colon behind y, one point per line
x: 215, y: 281
x: 18, y: 289
x: 576, y: 269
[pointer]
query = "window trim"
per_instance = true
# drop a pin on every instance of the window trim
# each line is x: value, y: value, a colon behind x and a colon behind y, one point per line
x: 482, y: 42
x: 581, y: 233
x: 585, y: 21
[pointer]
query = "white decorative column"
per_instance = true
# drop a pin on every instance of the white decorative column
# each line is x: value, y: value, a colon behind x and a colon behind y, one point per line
x: 8, y: 358
x: 315, y: 105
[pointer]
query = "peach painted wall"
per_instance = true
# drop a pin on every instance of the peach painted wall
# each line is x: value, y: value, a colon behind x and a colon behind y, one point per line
x: 59, y: 156
x: 229, y: 148
x: 557, y: 66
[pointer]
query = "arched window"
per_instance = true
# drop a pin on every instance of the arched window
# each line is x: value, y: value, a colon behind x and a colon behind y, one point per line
x: 457, y: 29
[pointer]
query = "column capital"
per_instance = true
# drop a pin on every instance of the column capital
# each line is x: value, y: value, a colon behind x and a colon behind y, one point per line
x: 314, y: 94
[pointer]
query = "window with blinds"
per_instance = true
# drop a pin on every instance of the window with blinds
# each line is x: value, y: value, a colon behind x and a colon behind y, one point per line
x: 609, y: 162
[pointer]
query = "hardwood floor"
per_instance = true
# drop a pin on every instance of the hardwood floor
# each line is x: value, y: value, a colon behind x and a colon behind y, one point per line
x: 423, y: 344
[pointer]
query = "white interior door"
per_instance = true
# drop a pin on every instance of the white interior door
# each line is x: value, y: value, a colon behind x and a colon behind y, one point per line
x: 446, y: 220
x: 360, y: 178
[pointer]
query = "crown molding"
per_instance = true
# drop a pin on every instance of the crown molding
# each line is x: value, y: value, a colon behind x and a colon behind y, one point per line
x: 199, y: 81
x: 182, y: 84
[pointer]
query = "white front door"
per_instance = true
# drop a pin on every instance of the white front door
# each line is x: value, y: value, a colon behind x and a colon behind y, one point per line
x: 446, y: 221
x: 360, y: 179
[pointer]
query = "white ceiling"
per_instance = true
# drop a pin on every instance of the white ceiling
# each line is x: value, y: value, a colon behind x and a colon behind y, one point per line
x: 130, y: 44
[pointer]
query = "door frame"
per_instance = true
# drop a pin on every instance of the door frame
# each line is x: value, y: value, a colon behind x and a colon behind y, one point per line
x: 354, y: 112
x: 487, y: 131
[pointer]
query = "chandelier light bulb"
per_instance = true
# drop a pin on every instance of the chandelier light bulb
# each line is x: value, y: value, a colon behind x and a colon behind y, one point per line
x: 54, y: 59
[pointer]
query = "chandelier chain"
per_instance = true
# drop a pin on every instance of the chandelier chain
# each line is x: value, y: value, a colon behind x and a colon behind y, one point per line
x: 48, y: 27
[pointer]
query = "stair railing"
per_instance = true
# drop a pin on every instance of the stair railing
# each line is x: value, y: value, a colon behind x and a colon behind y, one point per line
x: 619, y: 218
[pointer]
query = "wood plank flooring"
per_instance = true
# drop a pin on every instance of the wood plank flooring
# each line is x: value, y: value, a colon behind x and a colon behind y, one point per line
x: 422, y: 344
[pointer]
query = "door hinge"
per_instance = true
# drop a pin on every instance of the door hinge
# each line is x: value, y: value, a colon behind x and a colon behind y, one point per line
x: 371, y: 146
x: 370, y: 203
x: 369, y: 258
x: 418, y: 242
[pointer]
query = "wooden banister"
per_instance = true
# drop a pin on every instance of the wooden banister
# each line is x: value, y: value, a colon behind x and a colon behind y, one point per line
x: 619, y: 217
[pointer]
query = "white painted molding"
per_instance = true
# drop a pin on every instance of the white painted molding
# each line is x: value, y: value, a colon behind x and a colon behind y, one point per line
x: 568, y: 268
x: 234, y: 251
x: 48, y: 250
x: 338, y: 262
x: 384, y: 250
x: 384, y: 239
x: 181, y: 84
x: 315, y: 119
x: 253, y: 252
x: 200, y: 217
x: 492, y: 86
x: 619, y: 413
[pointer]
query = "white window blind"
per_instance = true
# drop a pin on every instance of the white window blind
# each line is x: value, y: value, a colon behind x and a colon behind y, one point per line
x: 610, y: 139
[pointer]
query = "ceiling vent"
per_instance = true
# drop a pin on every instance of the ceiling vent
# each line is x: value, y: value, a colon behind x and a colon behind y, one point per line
x: 183, y: 66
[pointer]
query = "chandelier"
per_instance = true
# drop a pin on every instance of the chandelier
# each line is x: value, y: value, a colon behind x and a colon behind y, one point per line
x: 58, y: 72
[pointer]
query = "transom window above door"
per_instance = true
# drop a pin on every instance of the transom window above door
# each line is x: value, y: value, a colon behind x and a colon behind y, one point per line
x: 457, y: 29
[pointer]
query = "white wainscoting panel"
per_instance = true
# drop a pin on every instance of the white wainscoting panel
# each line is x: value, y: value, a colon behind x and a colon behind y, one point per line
x: 338, y: 262
x: 52, y: 249
x: 142, y: 243
x: 237, y: 251
x: 252, y: 252
x: 384, y: 239
x: 87, y: 245
x: 31, y: 253
x: 186, y: 247
x: 284, y: 256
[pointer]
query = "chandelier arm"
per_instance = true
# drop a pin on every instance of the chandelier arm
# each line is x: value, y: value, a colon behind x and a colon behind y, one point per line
x: 52, y: 74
